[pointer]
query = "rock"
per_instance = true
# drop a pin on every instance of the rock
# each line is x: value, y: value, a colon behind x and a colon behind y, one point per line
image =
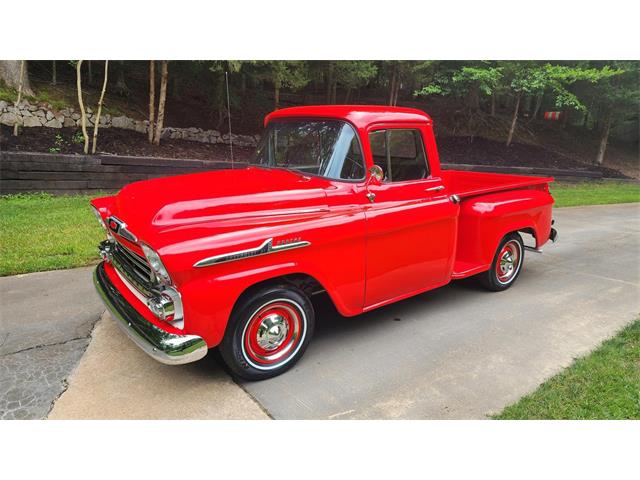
x: 49, y: 115
x: 10, y: 119
x: 32, y: 108
x: 53, y: 123
x: 122, y: 122
x: 26, y: 113
x: 39, y: 113
x: 141, y: 126
x: 32, y: 121
x: 3, y: 104
x: 69, y: 122
x: 75, y: 116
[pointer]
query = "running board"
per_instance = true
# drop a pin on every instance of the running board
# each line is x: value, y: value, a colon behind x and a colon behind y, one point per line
x: 533, y: 249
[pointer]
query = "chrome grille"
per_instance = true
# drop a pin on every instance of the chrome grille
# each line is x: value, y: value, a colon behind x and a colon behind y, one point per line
x: 134, y: 267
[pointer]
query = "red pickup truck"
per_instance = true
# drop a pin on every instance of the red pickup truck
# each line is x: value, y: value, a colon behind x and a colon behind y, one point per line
x: 347, y: 200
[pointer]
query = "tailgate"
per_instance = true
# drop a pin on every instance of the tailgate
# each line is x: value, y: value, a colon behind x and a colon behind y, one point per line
x: 469, y: 184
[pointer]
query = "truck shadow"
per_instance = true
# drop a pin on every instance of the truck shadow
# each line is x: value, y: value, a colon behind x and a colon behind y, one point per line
x: 330, y: 323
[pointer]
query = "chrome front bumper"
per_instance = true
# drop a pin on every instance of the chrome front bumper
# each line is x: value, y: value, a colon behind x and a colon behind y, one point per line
x: 165, y: 347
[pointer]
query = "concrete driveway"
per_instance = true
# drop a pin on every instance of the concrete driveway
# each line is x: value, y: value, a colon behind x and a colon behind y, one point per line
x: 456, y: 352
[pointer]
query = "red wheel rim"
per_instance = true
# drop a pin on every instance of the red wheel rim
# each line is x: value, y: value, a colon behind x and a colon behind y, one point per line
x: 508, y: 262
x: 273, y: 333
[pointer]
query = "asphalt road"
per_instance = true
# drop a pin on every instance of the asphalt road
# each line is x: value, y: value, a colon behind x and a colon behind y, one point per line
x: 461, y: 352
x: 455, y: 352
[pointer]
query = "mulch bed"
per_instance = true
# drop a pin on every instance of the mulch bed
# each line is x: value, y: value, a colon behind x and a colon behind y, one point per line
x: 460, y: 150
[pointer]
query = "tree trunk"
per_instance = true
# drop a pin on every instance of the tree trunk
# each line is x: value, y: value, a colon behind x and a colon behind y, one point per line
x: 604, y: 139
x: 392, y: 84
x: 536, y: 109
x: 121, y: 87
x: 347, y: 95
x: 97, y: 123
x: 20, y: 85
x: 10, y: 74
x: 89, y: 72
x: 334, y: 91
x: 330, y: 81
x: 164, y: 75
x: 54, y: 74
x: 152, y: 98
x: 83, y: 116
x: 493, y: 104
x: 276, y: 94
x: 514, y: 119
x: 397, y: 91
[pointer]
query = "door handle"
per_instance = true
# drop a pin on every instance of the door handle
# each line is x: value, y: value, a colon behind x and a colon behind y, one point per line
x: 434, y: 189
x: 371, y: 196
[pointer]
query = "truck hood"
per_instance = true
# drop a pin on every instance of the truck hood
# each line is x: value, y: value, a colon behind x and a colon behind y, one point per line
x: 230, y: 197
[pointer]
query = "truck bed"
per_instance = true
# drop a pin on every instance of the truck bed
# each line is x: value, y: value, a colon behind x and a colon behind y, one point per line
x: 470, y: 184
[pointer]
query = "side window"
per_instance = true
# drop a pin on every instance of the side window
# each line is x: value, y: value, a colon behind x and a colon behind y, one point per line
x: 400, y: 153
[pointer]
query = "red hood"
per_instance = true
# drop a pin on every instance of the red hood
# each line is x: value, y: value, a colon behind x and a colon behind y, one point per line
x: 243, y: 196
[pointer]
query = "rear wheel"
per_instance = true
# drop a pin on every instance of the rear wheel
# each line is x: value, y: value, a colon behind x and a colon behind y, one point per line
x: 506, y: 265
x: 268, y: 332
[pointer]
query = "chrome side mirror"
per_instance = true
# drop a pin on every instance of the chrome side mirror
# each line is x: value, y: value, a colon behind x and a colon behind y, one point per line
x: 376, y: 173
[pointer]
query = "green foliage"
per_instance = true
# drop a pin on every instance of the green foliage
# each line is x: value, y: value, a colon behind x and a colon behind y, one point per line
x: 603, y: 385
x: 353, y: 74
x: 58, y: 143
x: 43, y: 232
x: 78, y: 138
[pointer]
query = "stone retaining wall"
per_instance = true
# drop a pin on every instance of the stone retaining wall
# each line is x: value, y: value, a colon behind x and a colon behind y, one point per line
x: 33, y: 116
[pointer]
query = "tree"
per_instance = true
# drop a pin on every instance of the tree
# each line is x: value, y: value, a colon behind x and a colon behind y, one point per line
x: 614, y: 97
x: 20, y: 86
x: 534, y: 78
x: 164, y: 75
x: 152, y: 98
x: 100, y: 102
x: 83, y: 116
x: 293, y: 74
x: 353, y: 74
x: 10, y: 75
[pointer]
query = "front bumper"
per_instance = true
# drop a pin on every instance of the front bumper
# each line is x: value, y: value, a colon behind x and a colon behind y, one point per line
x: 165, y: 347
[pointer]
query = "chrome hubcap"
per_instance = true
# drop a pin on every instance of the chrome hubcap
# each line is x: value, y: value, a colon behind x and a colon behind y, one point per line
x: 272, y: 332
x: 508, y: 262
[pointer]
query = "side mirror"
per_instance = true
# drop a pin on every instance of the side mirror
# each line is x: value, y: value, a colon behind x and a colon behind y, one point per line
x: 376, y: 175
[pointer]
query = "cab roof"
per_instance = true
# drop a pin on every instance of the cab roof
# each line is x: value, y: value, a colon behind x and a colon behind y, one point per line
x: 361, y: 116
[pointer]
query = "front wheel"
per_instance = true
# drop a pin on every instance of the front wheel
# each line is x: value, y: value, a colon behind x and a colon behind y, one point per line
x: 506, y: 264
x: 268, y: 332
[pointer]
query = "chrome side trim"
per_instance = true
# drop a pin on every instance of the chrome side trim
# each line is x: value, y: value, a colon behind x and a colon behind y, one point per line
x: 165, y: 347
x: 265, y: 248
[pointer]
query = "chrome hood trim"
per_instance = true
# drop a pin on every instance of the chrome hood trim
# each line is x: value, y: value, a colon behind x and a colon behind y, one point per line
x: 264, y: 248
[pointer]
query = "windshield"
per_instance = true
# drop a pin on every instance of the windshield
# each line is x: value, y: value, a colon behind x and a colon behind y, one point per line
x: 328, y: 148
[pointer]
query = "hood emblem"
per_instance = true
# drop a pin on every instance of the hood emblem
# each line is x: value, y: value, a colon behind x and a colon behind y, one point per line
x: 118, y: 226
x: 265, y: 248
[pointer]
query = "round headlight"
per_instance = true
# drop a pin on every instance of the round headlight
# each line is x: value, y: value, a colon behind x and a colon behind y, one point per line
x: 99, y: 217
x: 156, y: 264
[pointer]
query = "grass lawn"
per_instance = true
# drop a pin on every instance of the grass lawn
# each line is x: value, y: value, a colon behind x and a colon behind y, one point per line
x: 41, y: 232
x: 603, y: 385
x: 594, y: 193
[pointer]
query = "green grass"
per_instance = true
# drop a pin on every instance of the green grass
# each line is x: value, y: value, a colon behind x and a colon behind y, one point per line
x: 603, y: 385
x: 594, y: 193
x: 42, y: 232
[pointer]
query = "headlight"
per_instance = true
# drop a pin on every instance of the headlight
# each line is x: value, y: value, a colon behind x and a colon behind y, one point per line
x: 156, y: 264
x: 101, y: 222
x: 99, y: 217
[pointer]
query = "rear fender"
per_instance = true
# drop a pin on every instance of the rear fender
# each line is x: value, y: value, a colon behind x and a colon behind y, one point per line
x: 486, y: 219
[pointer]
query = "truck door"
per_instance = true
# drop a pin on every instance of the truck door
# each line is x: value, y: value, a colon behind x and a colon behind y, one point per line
x: 411, y: 223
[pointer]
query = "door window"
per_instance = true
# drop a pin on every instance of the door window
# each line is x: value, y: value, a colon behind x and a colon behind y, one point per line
x: 400, y: 153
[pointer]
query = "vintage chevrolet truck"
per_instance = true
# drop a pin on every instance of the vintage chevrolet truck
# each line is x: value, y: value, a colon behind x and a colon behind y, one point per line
x: 347, y: 200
